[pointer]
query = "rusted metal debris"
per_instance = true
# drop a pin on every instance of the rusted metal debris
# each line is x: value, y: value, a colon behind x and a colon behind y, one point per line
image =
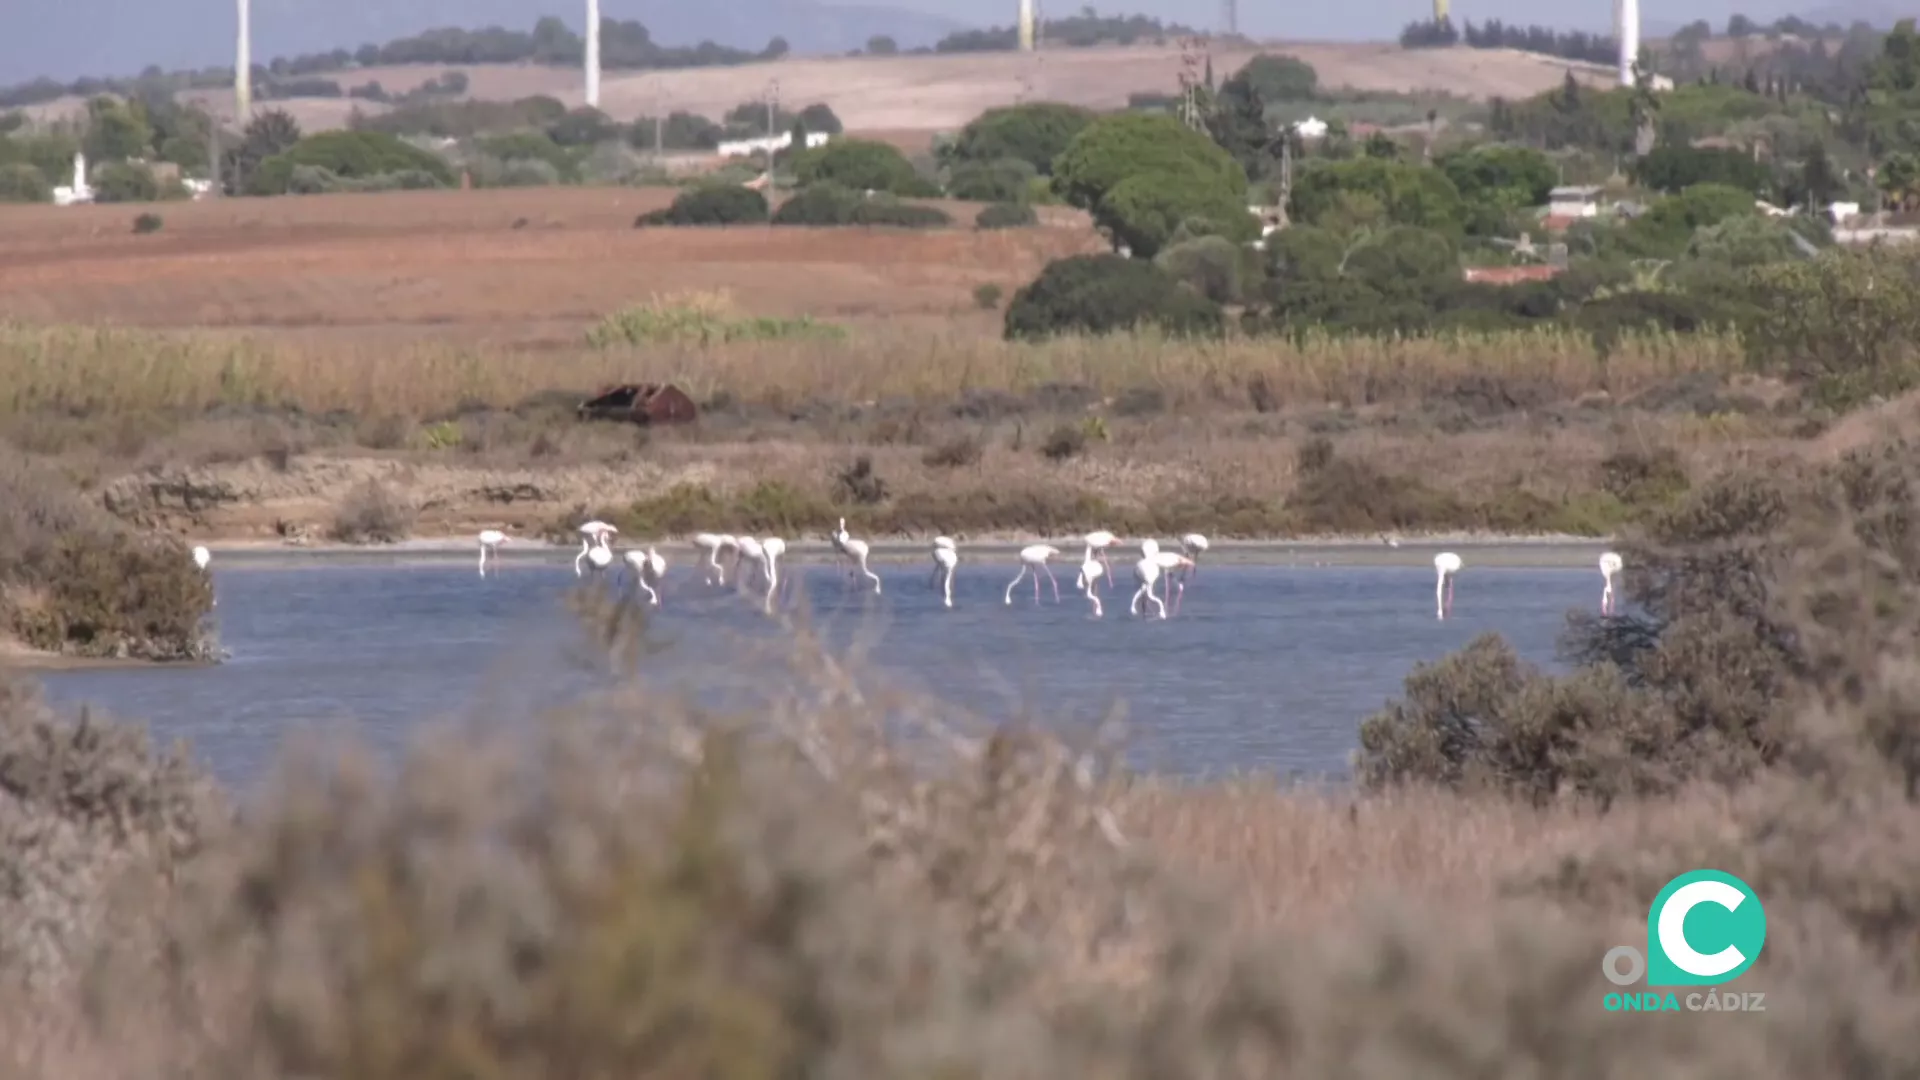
x: 641, y: 403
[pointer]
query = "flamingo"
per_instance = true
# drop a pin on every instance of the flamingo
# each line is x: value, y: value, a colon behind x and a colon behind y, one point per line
x: 201, y: 556
x: 946, y: 556
x: 751, y: 555
x: 1610, y: 564
x: 600, y: 557
x: 648, y: 568
x: 856, y: 551
x: 1446, y: 564
x: 1033, y: 559
x: 1146, y: 572
x: 1099, y: 541
x: 1090, y: 571
x: 594, y: 534
x: 713, y: 544
x: 490, y: 541
x: 1194, y: 545
x: 770, y: 551
x: 1173, y: 566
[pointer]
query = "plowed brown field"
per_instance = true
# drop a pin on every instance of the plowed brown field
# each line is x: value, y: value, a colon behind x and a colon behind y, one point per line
x: 525, y: 265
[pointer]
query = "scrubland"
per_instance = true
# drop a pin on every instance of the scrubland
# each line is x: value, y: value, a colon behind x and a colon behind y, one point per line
x: 852, y: 880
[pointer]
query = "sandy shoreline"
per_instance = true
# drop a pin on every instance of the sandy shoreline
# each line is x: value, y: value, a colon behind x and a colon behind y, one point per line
x: 1512, y: 552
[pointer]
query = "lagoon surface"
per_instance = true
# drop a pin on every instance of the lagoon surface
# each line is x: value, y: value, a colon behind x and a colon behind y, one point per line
x: 1264, y: 667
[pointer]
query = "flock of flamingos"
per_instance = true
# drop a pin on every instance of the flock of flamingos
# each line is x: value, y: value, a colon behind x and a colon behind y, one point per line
x: 756, y: 562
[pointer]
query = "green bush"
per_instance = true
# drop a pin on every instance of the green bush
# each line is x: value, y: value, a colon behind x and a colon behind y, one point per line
x: 1006, y: 180
x: 350, y: 155
x: 1006, y: 215
x: 825, y: 203
x: 1213, y: 266
x: 22, y: 183
x: 123, y: 182
x: 828, y: 203
x: 710, y: 204
x: 1142, y: 175
x: 862, y: 165
x: 1099, y: 294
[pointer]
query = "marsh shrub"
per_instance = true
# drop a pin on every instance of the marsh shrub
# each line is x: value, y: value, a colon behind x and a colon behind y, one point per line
x: 372, y: 513
x: 1761, y: 599
x: 73, y: 579
x: 1213, y: 266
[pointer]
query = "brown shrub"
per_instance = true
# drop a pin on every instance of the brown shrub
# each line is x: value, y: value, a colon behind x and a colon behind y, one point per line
x: 372, y: 514
x: 73, y: 579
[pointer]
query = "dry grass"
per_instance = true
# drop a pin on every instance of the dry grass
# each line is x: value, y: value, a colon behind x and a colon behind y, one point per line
x: 122, y: 371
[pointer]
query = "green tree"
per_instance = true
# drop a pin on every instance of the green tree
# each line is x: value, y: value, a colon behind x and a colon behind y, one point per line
x: 881, y: 45
x: 1509, y: 177
x: 1672, y: 168
x: 266, y: 135
x: 1238, y: 122
x: 350, y: 155
x: 1100, y: 294
x: 1005, y: 180
x: 116, y: 130
x: 860, y: 164
x: 1668, y: 225
x: 1036, y: 133
x: 1411, y: 194
x: 1742, y: 241
x: 1847, y: 321
x: 1117, y: 147
x: 818, y: 119
x: 121, y: 182
x: 1275, y: 78
x: 1145, y: 210
x: 20, y: 182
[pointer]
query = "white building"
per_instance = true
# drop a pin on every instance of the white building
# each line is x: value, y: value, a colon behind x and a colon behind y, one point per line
x: 79, y: 191
x: 1574, y: 202
x: 769, y: 144
x: 1311, y: 128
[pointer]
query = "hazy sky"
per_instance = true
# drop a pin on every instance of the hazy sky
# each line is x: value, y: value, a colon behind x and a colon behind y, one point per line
x: 65, y: 39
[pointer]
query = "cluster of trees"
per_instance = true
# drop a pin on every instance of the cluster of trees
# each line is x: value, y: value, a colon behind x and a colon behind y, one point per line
x: 121, y: 137
x: 1494, y: 34
x: 1084, y: 30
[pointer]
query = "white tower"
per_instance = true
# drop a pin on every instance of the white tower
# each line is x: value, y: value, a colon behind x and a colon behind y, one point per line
x: 593, y: 54
x: 1626, y: 25
x: 243, y: 71
x: 1026, y: 26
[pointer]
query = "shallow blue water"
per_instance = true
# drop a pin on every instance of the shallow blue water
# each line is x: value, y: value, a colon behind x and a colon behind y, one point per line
x: 1263, y: 668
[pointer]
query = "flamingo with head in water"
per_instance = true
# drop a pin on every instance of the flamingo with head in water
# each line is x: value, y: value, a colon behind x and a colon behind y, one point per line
x: 771, y: 549
x: 1098, y: 541
x: 490, y: 541
x: 749, y: 562
x: 1145, y: 573
x: 1033, y: 560
x: 946, y: 556
x: 1445, y: 565
x: 647, y: 567
x: 713, y: 544
x: 201, y: 557
x: 1173, y: 566
x: 1610, y: 564
x: 1090, y: 571
x: 856, y: 553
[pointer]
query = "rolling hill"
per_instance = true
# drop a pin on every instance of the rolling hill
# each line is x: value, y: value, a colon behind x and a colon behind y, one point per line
x: 923, y: 93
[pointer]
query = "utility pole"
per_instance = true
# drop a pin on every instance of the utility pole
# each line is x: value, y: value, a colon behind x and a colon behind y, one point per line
x: 1232, y: 19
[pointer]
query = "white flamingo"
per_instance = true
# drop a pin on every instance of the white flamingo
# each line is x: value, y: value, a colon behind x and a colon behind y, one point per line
x: 1145, y: 573
x: 201, y: 556
x: 1610, y: 564
x: 648, y: 568
x: 856, y: 553
x: 1446, y: 565
x: 1098, y: 541
x: 1033, y: 560
x: 713, y: 544
x: 490, y: 541
x: 771, y: 549
x: 594, y: 534
x: 1173, y: 566
x: 749, y: 561
x: 946, y: 556
x: 1194, y: 545
x: 598, y: 557
x: 1090, y: 571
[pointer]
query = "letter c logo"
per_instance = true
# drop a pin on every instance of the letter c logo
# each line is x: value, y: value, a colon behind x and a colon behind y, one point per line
x: 1673, y: 934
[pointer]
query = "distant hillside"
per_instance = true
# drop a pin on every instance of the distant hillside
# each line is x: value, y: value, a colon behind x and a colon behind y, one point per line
x: 67, y: 40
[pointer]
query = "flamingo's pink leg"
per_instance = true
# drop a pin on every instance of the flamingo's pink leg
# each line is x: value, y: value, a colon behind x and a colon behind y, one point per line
x: 1054, y: 581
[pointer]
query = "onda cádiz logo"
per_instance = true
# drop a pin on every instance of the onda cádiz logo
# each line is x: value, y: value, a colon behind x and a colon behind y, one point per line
x: 1705, y: 928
